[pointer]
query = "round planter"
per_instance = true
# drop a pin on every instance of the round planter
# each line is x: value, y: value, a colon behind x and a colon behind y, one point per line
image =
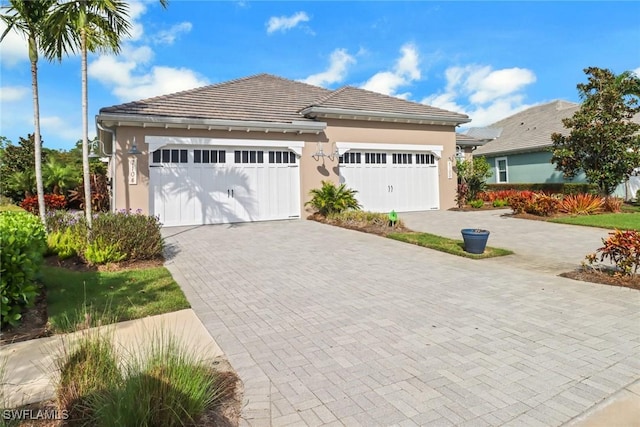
x: 475, y: 240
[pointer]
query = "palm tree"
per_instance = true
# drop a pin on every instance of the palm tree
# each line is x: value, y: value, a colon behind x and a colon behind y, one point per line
x: 90, y: 25
x: 59, y: 178
x: 29, y: 17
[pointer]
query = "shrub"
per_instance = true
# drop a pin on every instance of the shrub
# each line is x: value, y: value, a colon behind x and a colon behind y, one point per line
x: 64, y: 243
x: 135, y: 235
x: 331, y: 199
x: 99, y: 252
x: 542, y: 205
x: 581, y: 204
x: 519, y: 201
x: 500, y: 203
x: 623, y: 249
x: 23, y: 244
x: 548, y: 187
x: 363, y: 219
x: 51, y: 202
x: 474, y: 173
x: 492, y: 196
x: 476, y: 204
x: 612, y: 204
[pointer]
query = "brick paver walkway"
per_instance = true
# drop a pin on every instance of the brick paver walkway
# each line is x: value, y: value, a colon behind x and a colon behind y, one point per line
x: 327, y: 326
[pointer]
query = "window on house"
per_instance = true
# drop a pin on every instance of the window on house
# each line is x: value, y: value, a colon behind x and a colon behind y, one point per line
x: 402, y: 158
x: 248, y: 156
x: 375, y: 158
x: 209, y: 156
x: 501, y: 170
x: 425, y: 159
x: 348, y: 158
x: 170, y: 156
x: 282, y: 157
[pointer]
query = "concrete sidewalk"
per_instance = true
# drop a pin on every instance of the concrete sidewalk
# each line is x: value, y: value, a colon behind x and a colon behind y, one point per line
x: 30, y: 371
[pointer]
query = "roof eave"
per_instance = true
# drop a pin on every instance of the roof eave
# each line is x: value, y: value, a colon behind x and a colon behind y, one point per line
x: 524, y: 150
x: 343, y: 113
x: 119, y: 119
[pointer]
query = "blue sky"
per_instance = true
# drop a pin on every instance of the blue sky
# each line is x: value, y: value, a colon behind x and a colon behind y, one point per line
x: 485, y: 59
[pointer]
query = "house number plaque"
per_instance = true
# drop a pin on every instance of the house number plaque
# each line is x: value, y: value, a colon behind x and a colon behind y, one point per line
x: 133, y: 171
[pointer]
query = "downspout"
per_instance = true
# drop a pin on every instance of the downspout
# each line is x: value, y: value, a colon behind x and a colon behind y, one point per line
x: 112, y: 163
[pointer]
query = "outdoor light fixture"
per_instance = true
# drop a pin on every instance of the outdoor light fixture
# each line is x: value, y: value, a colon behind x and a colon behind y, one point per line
x: 320, y: 153
x: 134, y: 148
x: 95, y: 155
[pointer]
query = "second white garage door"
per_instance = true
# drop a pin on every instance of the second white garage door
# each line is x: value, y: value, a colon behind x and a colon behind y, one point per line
x: 392, y: 180
x: 205, y: 185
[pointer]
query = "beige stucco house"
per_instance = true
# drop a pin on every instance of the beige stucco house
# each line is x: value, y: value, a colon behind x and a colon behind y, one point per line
x: 251, y: 149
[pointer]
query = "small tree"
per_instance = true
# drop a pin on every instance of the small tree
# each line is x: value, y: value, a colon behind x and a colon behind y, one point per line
x: 603, y: 141
x: 332, y: 199
x: 472, y: 178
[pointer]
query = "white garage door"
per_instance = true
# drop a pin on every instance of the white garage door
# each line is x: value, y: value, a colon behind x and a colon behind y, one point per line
x: 392, y: 180
x: 205, y: 185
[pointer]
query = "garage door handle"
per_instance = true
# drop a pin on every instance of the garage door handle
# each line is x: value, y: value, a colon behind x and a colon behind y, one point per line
x: 232, y: 194
x: 228, y: 193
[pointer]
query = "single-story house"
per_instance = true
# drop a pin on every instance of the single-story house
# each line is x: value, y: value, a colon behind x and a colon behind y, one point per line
x: 519, y: 150
x: 251, y: 149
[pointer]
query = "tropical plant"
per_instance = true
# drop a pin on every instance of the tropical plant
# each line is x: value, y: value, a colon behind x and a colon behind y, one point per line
x: 476, y: 204
x: 331, y: 199
x: 29, y: 18
x: 603, y: 140
x: 51, y: 202
x: 99, y: 194
x: 88, y: 26
x: 581, y: 204
x: 612, y: 204
x: 622, y: 248
x: 59, y: 178
x: 474, y: 173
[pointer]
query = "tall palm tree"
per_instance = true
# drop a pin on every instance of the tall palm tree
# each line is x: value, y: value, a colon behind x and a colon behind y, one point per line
x: 90, y: 26
x: 29, y: 18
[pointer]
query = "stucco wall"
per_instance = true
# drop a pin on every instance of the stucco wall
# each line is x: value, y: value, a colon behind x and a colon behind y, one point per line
x: 312, y: 171
x: 535, y: 167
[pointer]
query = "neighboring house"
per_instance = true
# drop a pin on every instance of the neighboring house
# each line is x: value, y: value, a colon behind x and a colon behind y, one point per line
x: 520, y: 151
x: 466, y: 145
x: 251, y: 149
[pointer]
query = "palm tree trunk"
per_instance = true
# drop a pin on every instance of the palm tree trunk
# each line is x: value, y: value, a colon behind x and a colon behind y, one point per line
x: 85, y: 132
x: 37, y: 141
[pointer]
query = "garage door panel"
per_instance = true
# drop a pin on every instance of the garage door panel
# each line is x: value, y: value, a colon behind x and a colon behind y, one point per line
x: 401, y: 184
x: 224, y: 185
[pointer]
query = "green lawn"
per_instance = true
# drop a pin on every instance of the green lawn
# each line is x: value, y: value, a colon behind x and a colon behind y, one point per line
x: 109, y: 296
x: 621, y: 221
x: 443, y: 244
x: 11, y: 208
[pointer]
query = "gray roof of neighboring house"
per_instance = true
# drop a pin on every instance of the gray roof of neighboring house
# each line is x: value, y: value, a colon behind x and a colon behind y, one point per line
x: 465, y: 140
x: 529, y: 130
x: 268, y: 98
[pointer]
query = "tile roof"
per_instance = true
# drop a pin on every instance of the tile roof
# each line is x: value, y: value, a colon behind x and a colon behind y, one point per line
x: 269, y: 98
x: 352, y: 98
x: 529, y: 129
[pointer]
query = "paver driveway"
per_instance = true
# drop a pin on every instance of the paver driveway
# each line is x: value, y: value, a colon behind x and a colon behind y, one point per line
x: 331, y: 326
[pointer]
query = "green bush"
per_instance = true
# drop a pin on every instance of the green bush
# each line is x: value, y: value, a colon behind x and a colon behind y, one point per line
x: 363, y: 219
x: 100, y: 252
x: 22, y: 246
x: 500, y: 203
x: 332, y: 199
x: 119, y: 236
x: 476, y: 204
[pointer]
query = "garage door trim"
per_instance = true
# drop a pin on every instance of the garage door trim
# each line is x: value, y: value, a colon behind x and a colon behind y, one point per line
x: 343, y: 147
x: 156, y: 142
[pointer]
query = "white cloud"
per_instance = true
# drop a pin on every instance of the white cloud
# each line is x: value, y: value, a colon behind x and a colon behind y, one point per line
x: 284, y: 23
x: 14, y: 48
x: 55, y: 125
x: 136, y: 10
x: 13, y: 93
x: 169, y: 36
x: 405, y: 71
x: 160, y: 81
x: 338, y: 63
x: 484, y: 94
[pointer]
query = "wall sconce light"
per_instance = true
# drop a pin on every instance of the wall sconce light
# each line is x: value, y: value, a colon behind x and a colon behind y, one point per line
x: 134, y: 148
x: 320, y: 153
x: 95, y: 154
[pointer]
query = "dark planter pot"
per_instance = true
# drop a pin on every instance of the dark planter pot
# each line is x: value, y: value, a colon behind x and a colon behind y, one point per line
x: 475, y: 240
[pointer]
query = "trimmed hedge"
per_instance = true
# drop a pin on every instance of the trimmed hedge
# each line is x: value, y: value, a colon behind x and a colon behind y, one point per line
x: 22, y: 246
x: 547, y: 187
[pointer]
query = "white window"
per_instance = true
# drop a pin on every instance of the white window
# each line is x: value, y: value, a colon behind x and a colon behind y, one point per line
x: 501, y: 170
